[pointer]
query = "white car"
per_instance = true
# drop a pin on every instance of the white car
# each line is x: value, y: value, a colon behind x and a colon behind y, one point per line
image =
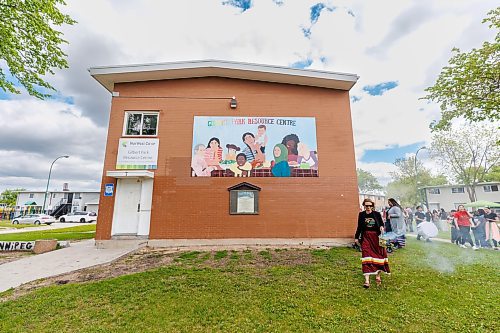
x: 82, y: 217
x: 34, y: 219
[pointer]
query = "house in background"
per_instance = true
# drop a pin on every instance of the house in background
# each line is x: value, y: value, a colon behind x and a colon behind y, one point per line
x: 450, y: 196
x: 57, y: 203
x: 378, y: 198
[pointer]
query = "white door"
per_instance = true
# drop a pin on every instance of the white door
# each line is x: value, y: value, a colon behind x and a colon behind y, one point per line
x: 127, y: 207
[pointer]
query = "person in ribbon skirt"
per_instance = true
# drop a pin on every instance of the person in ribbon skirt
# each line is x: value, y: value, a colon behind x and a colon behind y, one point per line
x: 374, y: 259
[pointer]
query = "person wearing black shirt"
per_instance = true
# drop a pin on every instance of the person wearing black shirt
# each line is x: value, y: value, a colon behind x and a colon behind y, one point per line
x: 374, y: 259
x: 428, y: 216
x: 419, y: 217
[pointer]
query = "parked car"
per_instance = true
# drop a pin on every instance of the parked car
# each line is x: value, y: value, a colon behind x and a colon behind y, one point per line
x: 83, y: 217
x: 34, y: 219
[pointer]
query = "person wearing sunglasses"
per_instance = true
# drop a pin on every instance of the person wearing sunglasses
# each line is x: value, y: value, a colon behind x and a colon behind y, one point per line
x: 374, y: 259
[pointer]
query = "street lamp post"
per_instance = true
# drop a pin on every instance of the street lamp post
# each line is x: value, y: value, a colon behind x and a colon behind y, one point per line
x: 416, y: 174
x: 48, y: 181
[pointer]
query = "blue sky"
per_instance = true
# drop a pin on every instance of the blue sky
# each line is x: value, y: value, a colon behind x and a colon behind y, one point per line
x: 397, y: 48
x: 390, y: 154
x: 380, y: 88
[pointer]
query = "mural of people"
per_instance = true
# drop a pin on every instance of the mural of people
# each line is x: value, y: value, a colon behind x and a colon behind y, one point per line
x: 242, y: 167
x: 221, y: 145
x: 261, y: 138
x: 307, y: 159
x: 213, y: 153
x: 291, y: 141
x: 280, y: 167
x: 252, y: 150
x: 231, y: 152
x: 199, y: 166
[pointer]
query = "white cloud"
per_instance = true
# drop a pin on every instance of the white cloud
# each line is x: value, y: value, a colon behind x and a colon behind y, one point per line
x: 407, y: 41
x: 380, y: 170
x: 34, y: 133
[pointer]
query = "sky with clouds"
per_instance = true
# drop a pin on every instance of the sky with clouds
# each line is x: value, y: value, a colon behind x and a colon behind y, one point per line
x: 397, y: 48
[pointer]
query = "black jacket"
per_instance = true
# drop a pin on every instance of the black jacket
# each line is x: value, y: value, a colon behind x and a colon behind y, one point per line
x: 361, y: 224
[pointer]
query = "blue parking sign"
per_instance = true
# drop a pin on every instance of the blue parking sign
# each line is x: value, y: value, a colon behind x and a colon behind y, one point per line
x: 108, y: 190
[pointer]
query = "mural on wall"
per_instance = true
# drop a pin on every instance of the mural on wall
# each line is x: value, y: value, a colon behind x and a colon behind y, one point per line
x: 254, y: 147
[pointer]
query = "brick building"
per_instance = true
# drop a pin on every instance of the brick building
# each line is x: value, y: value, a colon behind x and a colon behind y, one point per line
x: 187, y: 157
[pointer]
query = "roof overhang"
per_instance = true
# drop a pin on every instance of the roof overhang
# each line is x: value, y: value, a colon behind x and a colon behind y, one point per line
x: 130, y: 174
x: 108, y: 76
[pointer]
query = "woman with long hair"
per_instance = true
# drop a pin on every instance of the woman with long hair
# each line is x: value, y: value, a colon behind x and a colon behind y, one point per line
x: 398, y: 224
x: 374, y: 259
x: 213, y: 153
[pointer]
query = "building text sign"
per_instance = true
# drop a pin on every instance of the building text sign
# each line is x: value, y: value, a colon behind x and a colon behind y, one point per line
x: 254, y: 147
x: 138, y: 154
x: 17, y: 246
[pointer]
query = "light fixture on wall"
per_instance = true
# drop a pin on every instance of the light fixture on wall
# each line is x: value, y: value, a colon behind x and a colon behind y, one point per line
x: 233, y: 104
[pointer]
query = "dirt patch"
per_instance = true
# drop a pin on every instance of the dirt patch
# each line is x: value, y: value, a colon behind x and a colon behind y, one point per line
x: 150, y: 258
x: 6, y: 257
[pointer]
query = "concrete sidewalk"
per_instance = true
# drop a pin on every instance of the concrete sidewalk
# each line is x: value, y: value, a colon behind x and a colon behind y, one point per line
x: 53, y: 226
x: 79, y: 255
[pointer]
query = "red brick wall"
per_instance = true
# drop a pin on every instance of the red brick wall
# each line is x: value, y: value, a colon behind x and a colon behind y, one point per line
x: 198, y: 207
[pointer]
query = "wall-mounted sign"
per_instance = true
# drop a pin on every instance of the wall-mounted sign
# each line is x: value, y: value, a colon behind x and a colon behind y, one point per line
x: 246, y: 203
x: 254, y: 147
x: 137, y: 154
x: 109, y: 189
x: 244, y: 199
x: 17, y: 246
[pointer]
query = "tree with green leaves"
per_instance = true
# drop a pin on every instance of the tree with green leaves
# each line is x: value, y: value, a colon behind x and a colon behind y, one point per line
x: 408, y: 179
x: 29, y: 45
x: 9, y: 197
x: 493, y: 175
x: 367, y: 181
x: 468, y: 153
x: 469, y: 86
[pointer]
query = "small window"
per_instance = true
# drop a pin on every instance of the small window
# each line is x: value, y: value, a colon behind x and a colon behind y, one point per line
x: 53, y: 195
x: 457, y: 190
x: 77, y: 196
x: 32, y: 195
x: 140, y: 123
x: 434, y: 191
x: 244, y: 199
x: 490, y: 188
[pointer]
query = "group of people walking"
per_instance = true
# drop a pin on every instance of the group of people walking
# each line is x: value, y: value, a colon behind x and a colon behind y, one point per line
x: 484, y: 226
x: 372, y: 225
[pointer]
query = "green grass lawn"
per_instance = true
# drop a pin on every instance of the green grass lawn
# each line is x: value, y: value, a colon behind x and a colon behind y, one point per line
x: 434, y: 287
x: 8, y: 224
x: 70, y: 233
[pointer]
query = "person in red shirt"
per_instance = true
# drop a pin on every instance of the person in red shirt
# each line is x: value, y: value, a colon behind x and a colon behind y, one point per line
x: 463, y: 224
